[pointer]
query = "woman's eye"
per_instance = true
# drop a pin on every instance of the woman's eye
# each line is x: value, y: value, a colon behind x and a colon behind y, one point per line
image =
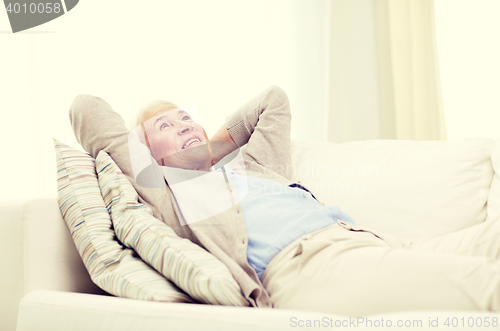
x: 186, y: 118
x: 164, y: 126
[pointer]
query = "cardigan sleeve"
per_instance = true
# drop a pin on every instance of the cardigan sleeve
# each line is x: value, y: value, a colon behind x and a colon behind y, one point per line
x: 263, y: 124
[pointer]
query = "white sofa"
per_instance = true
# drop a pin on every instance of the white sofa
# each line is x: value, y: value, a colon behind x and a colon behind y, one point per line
x: 379, y: 183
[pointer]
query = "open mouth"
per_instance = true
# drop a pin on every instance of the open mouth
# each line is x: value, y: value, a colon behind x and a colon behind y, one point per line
x: 190, y: 142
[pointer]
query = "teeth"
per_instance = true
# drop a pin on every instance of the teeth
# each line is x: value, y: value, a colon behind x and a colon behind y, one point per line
x: 190, y: 141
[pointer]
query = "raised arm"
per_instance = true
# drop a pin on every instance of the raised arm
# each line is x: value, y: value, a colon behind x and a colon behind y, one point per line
x: 263, y: 123
x: 98, y: 127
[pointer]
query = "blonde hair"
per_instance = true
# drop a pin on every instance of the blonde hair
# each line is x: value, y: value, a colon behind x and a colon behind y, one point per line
x: 136, y: 123
x: 141, y: 115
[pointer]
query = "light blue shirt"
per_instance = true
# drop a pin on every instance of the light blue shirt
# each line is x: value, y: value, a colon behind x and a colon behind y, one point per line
x: 276, y: 215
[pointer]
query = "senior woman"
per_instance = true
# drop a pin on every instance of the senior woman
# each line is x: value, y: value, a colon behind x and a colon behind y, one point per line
x: 283, y: 247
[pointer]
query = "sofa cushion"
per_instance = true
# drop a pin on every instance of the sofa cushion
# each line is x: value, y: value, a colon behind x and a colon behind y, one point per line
x: 413, y: 189
x: 114, y: 268
x: 196, y: 271
x: 62, y: 311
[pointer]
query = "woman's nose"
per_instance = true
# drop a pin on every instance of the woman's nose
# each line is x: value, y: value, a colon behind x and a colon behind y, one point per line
x: 183, y: 127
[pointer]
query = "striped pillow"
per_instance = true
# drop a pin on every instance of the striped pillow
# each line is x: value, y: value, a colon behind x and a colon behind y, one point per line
x: 115, y: 269
x: 199, y: 273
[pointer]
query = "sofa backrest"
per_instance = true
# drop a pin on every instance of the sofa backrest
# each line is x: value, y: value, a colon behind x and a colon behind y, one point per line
x: 407, y: 188
x: 493, y: 206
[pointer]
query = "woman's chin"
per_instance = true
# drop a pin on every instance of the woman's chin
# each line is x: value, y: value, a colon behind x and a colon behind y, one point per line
x: 193, y: 158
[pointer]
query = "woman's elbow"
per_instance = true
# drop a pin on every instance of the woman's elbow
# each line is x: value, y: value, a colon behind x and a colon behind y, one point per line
x: 277, y: 91
x: 278, y: 95
x: 83, y: 105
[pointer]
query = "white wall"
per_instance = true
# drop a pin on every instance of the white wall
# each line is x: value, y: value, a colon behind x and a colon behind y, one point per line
x: 216, y: 54
x: 468, y: 34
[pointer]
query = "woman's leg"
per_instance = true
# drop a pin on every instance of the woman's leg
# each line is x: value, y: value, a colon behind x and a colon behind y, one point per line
x: 342, y: 271
x: 478, y: 240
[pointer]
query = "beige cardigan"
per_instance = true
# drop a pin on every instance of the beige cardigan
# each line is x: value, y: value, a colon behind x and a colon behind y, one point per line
x: 263, y: 124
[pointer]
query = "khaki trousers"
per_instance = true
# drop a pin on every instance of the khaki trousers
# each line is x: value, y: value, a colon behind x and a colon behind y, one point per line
x: 358, y: 271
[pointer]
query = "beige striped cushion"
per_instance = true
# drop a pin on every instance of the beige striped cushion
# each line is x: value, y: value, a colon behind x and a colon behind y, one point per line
x: 114, y: 268
x: 196, y: 271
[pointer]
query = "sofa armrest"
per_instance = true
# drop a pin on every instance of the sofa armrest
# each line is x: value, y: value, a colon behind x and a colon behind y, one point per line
x: 51, y: 260
x: 11, y: 262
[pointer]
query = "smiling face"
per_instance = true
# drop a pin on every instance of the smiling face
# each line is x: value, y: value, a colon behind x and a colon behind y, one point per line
x: 175, y: 140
